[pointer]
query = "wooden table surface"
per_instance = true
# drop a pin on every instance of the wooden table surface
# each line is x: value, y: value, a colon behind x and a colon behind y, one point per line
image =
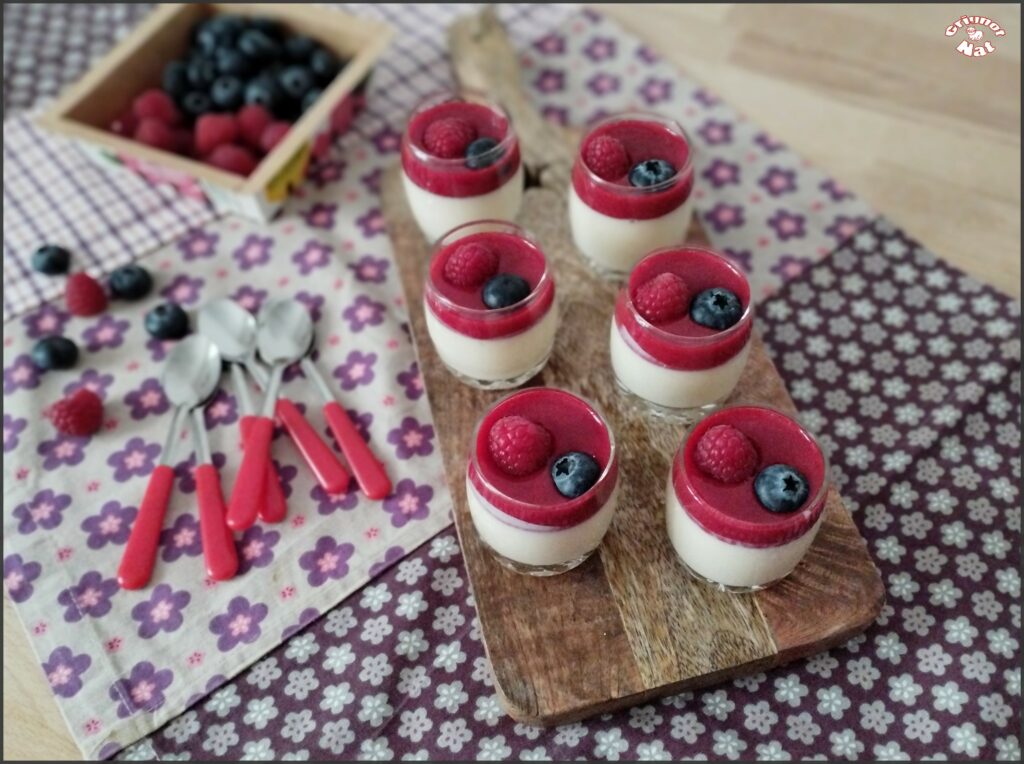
x: 873, y: 94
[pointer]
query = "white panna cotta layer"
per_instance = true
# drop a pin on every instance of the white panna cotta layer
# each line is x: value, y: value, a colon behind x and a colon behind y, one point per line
x: 539, y: 545
x: 673, y: 388
x: 436, y: 215
x: 500, y: 358
x: 617, y: 244
x: 730, y: 563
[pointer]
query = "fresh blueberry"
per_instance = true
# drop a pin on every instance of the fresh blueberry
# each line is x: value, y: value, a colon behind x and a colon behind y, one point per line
x: 196, y: 104
x: 575, y: 473
x: 167, y: 321
x: 650, y: 172
x: 258, y: 45
x: 54, y: 353
x: 311, y: 97
x: 480, y: 153
x: 130, y: 282
x: 51, y: 259
x: 227, y: 93
x: 299, y: 48
x: 175, y: 79
x: 268, y: 26
x: 233, y: 61
x: 324, y: 65
x: 218, y: 32
x: 716, y: 308
x: 504, y: 289
x: 296, y: 81
x: 781, y: 488
x: 265, y: 91
x: 201, y: 72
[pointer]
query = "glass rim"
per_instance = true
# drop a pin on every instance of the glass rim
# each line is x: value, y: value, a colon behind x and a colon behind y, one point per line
x: 470, y: 96
x: 488, y: 225
x: 645, y: 116
x: 745, y: 319
x: 569, y: 503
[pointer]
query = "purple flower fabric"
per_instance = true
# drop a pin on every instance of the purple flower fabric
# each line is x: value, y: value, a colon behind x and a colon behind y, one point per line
x: 250, y: 298
x: 184, y: 471
x: 239, y: 625
x: 392, y: 555
x: 182, y: 539
x: 136, y: 460
x: 18, y: 577
x: 198, y: 243
x: 183, y: 289
x: 778, y: 181
x: 147, y: 400
x: 320, y: 215
x: 408, y: 502
x: 356, y: 371
x: 162, y: 611
x: 256, y: 548
x: 362, y: 313
x: 550, y: 81
x: 722, y: 173
x: 724, y: 216
x: 142, y: 690
x: 328, y: 503
x: 89, y: 597
x: 254, y: 251
x: 44, y: 511
x: 412, y: 439
x: 306, y: 617
x: 787, y: 225
x: 412, y: 381
x: 313, y: 255
x: 64, y: 450
x: 22, y: 374
x: 715, y: 132
x: 112, y: 525
x: 372, y: 223
x: 314, y: 303
x: 47, y: 321
x: 91, y: 380
x: 13, y: 427
x: 221, y: 410
x: 108, y: 332
x: 327, y: 561
x: 64, y: 669
x: 370, y: 270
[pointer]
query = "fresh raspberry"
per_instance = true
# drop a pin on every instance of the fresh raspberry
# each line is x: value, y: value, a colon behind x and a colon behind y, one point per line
x: 84, y: 295
x: 213, y: 130
x: 662, y: 299
x: 252, y: 121
x: 448, y: 138
x: 233, y: 159
x: 157, y: 134
x: 273, y: 134
x: 518, y: 445
x: 606, y: 157
x: 79, y: 414
x: 726, y: 454
x: 156, y: 104
x: 186, y: 142
x: 125, y: 124
x: 470, y: 265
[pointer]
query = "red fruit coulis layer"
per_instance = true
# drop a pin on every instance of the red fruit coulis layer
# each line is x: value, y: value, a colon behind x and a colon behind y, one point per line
x: 463, y: 308
x: 732, y: 512
x: 643, y: 140
x: 682, y: 343
x: 574, y: 426
x: 451, y: 177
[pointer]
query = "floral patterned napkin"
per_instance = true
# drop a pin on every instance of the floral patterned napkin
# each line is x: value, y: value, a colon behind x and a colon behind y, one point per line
x: 117, y: 660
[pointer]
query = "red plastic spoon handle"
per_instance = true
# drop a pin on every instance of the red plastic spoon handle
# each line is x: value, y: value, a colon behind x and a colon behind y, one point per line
x: 218, y: 543
x: 331, y: 476
x: 140, y: 552
x: 275, y: 506
x: 250, y: 483
x: 369, y: 472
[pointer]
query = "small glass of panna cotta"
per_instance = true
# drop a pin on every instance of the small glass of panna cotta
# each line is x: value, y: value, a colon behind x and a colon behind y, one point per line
x: 460, y: 162
x: 681, y: 330
x: 490, y: 304
x: 631, y: 190
x: 745, y: 497
x: 542, y: 480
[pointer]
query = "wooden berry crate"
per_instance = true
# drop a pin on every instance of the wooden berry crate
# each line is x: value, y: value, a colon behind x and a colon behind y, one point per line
x: 629, y: 624
x: 84, y: 111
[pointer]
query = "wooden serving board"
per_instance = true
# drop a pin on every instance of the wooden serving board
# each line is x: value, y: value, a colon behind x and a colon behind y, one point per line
x: 630, y: 623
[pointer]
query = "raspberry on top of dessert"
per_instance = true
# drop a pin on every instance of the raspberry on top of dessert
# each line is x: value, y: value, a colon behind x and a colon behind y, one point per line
x: 460, y: 145
x: 686, y: 308
x: 545, y: 457
x: 751, y: 475
x: 486, y: 281
x: 634, y: 166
